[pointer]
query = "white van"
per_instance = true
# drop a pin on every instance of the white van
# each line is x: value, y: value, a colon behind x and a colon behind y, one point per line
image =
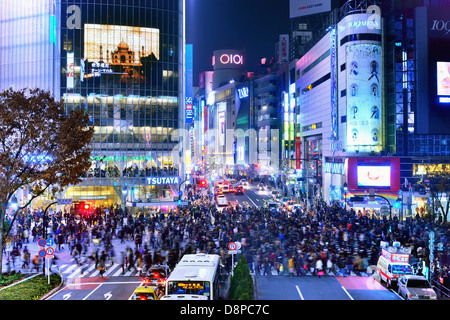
x: 392, y: 266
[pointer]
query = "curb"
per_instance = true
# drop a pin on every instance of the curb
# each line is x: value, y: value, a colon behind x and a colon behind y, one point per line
x: 53, y: 291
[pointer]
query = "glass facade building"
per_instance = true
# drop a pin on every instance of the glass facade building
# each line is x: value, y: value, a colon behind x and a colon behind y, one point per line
x: 122, y: 61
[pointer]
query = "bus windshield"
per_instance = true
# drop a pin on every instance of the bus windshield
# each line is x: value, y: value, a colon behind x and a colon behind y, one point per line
x: 189, y: 287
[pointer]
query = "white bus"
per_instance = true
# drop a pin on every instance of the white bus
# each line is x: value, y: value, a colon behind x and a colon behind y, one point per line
x: 195, y: 274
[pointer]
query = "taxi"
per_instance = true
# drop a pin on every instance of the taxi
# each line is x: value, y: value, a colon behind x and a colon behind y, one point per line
x: 146, y: 292
x: 156, y: 276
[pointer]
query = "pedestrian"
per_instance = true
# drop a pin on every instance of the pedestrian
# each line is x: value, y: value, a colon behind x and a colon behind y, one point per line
x: 36, y: 262
x: 102, y: 263
x: 318, y: 267
x: 123, y: 262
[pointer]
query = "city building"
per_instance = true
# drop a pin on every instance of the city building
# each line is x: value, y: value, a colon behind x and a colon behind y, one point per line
x: 123, y: 62
x: 417, y: 99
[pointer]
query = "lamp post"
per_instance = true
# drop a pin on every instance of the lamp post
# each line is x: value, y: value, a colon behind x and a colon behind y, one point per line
x: 124, y: 194
x: 45, y: 229
x: 400, y: 210
x: 345, y: 196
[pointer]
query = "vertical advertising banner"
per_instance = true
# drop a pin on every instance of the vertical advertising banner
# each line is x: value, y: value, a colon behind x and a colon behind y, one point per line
x: 364, y: 104
x: 221, y: 110
x: 334, y: 113
x: 298, y: 152
x: 283, y: 49
x: 70, y: 66
x: 189, y: 115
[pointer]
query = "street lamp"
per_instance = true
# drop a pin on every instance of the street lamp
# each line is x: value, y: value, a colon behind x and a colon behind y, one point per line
x: 45, y: 230
x: 124, y: 194
x: 400, y: 202
x: 345, y: 195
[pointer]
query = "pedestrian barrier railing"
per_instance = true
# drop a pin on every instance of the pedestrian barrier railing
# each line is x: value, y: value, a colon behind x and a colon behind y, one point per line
x: 442, y: 291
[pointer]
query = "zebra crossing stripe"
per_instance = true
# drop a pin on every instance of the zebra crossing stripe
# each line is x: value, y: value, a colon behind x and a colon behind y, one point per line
x: 118, y: 273
x: 74, y: 273
x: 114, y: 266
x: 70, y: 268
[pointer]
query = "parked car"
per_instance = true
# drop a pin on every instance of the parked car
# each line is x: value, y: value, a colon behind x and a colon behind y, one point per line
x: 413, y: 287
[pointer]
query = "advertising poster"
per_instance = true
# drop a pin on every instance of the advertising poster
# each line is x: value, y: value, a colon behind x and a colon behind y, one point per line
x: 364, y: 104
x: 126, y: 51
x: 70, y: 70
x: 443, y: 78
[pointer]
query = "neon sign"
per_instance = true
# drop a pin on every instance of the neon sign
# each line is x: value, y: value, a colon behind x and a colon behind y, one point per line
x: 363, y: 23
x: 163, y: 180
x: 395, y: 257
x: 231, y: 59
x: 243, y: 92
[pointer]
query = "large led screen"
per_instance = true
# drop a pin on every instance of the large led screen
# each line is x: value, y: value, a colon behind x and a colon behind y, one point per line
x: 379, y: 173
x: 374, y: 176
x: 364, y: 107
x: 120, y: 50
x: 443, y: 78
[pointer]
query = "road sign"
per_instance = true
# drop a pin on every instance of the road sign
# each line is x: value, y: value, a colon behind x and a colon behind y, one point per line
x: 50, y: 242
x: 232, y: 246
x: 234, y: 251
x: 42, y: 253
x: 384, y: 210
x: 50, y: 251
x: 42, y: 242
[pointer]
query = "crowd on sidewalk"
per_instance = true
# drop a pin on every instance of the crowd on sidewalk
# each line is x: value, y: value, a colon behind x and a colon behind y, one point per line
x: 319, y: 239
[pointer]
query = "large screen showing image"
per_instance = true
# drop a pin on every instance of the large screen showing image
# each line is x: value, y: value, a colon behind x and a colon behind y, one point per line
x: 374, y: 176
x: 364, y: 103
x: 120, y: 49
x: 443, y: 78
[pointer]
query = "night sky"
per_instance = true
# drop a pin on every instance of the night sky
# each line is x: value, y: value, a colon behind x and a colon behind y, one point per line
x: 250, y: 25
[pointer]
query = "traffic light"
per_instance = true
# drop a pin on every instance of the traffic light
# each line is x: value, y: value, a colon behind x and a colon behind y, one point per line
x: 179, y: 202
x: 203, y: 183
x: 87, y: 207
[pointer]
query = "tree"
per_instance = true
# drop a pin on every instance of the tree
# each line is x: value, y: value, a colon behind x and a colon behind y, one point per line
x: 437, y: 180
x: 42, y: 147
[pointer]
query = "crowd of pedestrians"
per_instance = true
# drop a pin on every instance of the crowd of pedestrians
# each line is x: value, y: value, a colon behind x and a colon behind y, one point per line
x: 318, y: 240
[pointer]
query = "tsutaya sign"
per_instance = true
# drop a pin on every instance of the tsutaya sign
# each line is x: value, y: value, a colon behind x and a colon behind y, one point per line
x: 163, y: 180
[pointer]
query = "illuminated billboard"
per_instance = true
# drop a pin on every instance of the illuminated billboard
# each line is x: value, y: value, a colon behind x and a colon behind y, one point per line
x: 443, y: 78
x: 120, y: 49
x: 374, y: 176
x: 381, y: 174
x: 364, y: 104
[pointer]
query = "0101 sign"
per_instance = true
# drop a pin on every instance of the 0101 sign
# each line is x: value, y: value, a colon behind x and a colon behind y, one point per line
x: 231, y: 59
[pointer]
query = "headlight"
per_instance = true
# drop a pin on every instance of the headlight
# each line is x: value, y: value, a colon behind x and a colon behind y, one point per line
x: 433, y: 297
x: 413, y: 296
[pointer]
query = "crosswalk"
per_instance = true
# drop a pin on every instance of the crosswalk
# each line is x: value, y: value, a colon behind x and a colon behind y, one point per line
x: 274, y: 272
x: 69, y: 271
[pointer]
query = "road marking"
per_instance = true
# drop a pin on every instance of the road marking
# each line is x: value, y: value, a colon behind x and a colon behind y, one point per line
x: 92, y: 291
x: 299, y: 293
x: 251, y: 200
x: 351, y: 298
x: 70, y: 268
x: 118, y: 272
x: 108, y: 295
x: 110, y: 269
